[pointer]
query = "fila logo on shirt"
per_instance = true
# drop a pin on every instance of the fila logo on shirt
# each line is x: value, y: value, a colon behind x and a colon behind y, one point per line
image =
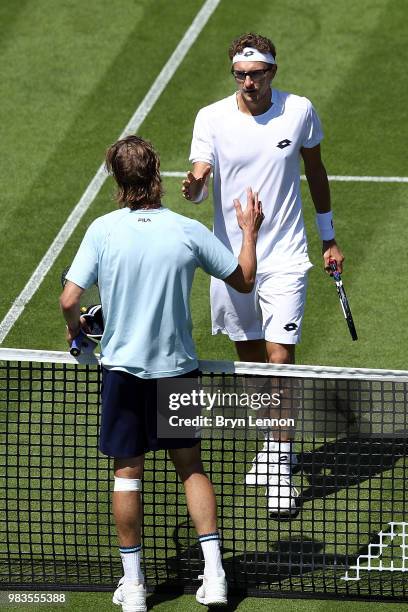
x: 143, y: 220
x: 284, y: 143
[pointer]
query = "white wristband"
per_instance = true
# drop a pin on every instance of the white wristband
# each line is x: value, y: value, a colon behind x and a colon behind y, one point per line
x: 202, y: 195
x: 324, y: 222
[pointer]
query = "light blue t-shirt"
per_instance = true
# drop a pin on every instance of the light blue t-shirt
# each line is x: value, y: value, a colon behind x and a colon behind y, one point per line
x: 144, y: 263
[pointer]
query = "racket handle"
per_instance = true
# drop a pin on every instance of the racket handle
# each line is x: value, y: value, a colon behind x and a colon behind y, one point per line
x: 333, y: 270
x: 76, y: 344
x: 333, y: 265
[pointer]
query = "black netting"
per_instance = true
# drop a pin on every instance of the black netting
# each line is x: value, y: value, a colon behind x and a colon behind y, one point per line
x: 348, y: 539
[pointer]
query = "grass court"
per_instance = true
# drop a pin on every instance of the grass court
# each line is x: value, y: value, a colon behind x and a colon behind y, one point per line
x: 73, y: 75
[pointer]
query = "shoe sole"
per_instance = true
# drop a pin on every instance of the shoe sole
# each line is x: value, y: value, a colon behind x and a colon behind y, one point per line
x: 144, y: 609
x: 283, y: 518
x: 282, y: 515
x: 118, y: 602
x: 213, y: 604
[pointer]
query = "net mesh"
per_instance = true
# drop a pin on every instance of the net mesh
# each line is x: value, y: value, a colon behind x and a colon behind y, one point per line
x: 348, y: 539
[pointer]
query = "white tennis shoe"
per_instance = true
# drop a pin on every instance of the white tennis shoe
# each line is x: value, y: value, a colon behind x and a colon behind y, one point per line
x: 213, y: 591
x: 282, y: 496
x: 268, y: 463
x: 131, y: 596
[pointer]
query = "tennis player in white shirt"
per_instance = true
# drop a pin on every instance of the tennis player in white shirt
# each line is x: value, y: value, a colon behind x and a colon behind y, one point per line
x: 257, y: 137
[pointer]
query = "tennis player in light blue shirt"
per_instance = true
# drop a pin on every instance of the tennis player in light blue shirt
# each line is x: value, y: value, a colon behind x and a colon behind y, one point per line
x: 144, y: 262
x: 143, y: 258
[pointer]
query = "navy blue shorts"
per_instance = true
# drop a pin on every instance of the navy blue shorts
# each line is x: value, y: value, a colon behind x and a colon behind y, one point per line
x: 129, y: 416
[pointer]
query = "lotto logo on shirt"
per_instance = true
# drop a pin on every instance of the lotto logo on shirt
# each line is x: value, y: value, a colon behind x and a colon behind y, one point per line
x: 284, y: 143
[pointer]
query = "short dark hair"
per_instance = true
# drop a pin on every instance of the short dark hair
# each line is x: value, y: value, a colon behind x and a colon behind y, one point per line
x: 261, y: 43
x: 135, y: 166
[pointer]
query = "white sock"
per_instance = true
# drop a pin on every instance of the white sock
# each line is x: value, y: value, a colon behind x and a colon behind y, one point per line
x: 284, y: 448
x: 285, y: 458
x: 130, y: 556
x: 280, y: 453
x: 276, y: 446
x: 210, y: 544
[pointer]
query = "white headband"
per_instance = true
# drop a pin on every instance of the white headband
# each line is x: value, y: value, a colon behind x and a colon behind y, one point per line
x: 249, y: 54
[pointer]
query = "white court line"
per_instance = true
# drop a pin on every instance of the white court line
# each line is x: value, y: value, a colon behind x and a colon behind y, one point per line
x: 98, y: 180
x: 332, y: 177
x: 367, y: 179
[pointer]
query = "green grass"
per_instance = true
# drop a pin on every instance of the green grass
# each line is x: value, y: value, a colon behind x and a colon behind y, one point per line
x: 84, y: 602
x: 74, y: 73
x: 329, y: 55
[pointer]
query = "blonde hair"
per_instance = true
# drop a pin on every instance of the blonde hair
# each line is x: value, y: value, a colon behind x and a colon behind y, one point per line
x: 135, y: 166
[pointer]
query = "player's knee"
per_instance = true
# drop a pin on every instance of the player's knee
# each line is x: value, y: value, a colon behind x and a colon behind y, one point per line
x: 185, y: 472
x: 281, y: 353
x: 186, y: 462
x: 131, y: 467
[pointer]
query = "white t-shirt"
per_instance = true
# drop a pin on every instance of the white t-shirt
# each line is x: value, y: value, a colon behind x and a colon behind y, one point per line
x: 262, y: 152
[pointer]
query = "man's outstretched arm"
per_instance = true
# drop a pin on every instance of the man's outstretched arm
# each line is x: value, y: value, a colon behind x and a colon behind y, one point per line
x: 195, y: 185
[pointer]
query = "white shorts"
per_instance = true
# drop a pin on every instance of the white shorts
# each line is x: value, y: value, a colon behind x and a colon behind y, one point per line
x: 272, y: 311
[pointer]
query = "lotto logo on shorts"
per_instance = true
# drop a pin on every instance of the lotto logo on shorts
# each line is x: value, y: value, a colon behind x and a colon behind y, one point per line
x: 290, y: 327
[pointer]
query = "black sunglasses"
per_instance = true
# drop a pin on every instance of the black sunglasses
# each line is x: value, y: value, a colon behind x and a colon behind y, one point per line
x: 254, y: 75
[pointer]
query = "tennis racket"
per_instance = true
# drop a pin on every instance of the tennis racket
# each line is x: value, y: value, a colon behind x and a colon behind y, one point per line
x: 344, y: 303
x: 91, y: 311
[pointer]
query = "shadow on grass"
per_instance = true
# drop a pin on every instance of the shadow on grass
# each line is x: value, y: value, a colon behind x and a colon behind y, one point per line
x: 162, y: 597
x: 349, y: 462
x: 294, y: 567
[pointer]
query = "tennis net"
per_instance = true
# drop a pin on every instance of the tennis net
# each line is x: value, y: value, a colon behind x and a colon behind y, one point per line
x: 349, y: 538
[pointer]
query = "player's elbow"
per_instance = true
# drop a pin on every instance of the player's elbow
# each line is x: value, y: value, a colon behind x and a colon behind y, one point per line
x: 71, y: 296
x: 243, y: 283
x: 247, y: 286
x: 67, y: 302
x: 64, y: 303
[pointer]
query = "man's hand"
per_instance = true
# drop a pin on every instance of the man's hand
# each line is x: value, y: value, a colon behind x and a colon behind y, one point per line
x: 330, y: 250
x: 193, y: 185
x: 251, y: 219
x: 72, y: 333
